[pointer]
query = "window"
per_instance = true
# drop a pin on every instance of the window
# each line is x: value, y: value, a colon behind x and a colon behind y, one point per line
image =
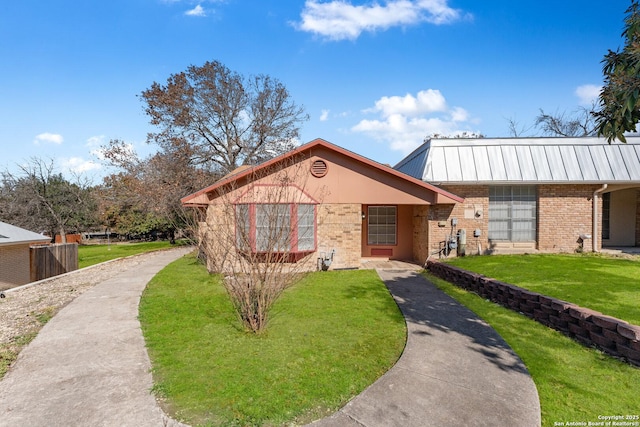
x: 277, y: 227
x: 512, y: 213
x: 606, y: 215
x: 306, y: 236
x: 381, y: 225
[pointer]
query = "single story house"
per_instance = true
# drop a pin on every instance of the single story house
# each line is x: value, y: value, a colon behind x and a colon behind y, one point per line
x: 334, y: 205
x: 517, y: 194
x: 534, y: 194
x: 15, y: 261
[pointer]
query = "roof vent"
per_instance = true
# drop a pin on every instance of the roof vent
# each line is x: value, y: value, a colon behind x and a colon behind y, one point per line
x: 319, y: 168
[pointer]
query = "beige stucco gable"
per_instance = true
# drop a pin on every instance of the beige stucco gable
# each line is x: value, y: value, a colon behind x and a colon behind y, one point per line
x: 350, y: 181
x: 346, y: 178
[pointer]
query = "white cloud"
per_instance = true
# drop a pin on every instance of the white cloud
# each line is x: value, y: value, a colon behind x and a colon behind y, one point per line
x: 459, y: 114
x: 79, y: 165
x: 95, y: 141
x: 324, y: 115
x: 51, y: 138
x: 404, y: 122
x: 587, y: 94
x: 196, y: 11
x: 340, y: 20
x: 426, y: 101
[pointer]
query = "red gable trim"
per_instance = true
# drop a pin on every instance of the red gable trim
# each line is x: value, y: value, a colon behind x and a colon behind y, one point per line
x: 308, y: 147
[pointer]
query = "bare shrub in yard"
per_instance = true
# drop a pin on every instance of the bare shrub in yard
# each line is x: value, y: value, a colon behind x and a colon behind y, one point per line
x: 259, y: 231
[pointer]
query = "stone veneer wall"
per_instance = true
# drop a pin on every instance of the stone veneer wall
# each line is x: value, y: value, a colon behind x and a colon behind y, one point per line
x: 339, y: 227
x: 614, y: 336
x: 421, y: 248
x: 15, y: 266
x: 564, y: 213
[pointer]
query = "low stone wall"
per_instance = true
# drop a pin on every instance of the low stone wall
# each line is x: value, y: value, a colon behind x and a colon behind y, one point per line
x: 613, y: 336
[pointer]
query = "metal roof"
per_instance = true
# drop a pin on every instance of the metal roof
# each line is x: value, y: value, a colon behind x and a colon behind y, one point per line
x: 525, y: 160
x: 11, y: 235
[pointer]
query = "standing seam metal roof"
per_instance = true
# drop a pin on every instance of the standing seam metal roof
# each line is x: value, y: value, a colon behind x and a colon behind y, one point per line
x: 525, y: 160
x: 10, y: 235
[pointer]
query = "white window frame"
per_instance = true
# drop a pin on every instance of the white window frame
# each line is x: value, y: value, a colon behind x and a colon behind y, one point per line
x: 382, y: 225
x: 513, y: 213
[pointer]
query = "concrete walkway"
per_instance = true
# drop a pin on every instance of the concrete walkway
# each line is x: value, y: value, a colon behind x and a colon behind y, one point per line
x: 455, y: 370
x: 89, y: 366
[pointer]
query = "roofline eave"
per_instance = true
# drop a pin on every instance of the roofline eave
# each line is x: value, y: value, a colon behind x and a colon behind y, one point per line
x: 322, y: 143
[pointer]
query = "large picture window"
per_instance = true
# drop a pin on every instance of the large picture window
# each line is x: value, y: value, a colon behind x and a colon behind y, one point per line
x: 382, y: 225
x: 512, y: 213
x: 276, y: 227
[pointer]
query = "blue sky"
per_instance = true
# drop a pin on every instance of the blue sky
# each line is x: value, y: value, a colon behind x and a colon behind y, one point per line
x: 375, y: 77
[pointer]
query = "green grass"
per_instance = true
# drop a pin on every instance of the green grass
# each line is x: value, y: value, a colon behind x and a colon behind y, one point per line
x: 575, y: 383
x: 95, y: 254
x: 606, y: 284
x: 9, y: 351
x: 329, y: 337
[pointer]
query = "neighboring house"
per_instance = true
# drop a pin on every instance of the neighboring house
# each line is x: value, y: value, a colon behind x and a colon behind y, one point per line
x: 15, y: 263
x: 333, y: 200
x: 528, y: 194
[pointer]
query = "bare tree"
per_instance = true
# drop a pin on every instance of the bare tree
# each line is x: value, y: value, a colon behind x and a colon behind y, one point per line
x: 260, y: 234
x: 222, y: 119
x: 144, y: 195
x: 517, y: 130
x: 581, y: 123
x: 576, y: 124
x: 39, y: 198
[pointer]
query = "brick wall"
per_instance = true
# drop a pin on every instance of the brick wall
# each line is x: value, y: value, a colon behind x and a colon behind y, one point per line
x: 471, y: 215
x: 565, y: 212
x: 613, y: 336
x: 14, y: 266
x: 339, y: 228
x: 421, y: 248
x: 215, y: 235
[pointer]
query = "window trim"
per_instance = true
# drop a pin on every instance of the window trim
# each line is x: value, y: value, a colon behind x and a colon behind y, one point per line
x: 510, y: 219
x: 294, y: 253
x: 395, y: 225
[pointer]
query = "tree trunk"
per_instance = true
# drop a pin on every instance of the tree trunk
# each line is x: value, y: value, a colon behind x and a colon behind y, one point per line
x: 63, y: 235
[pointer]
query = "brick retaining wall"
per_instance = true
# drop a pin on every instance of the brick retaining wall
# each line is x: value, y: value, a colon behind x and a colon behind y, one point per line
x: 613, y: 336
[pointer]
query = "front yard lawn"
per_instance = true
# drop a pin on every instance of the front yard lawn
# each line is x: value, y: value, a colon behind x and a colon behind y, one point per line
x: 95, y: 254
x: 575, y: 384
x: 605, y: 284
x: 329, y: 337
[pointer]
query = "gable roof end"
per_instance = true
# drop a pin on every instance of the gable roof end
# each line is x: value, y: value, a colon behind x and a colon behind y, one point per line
x: 201, y: 197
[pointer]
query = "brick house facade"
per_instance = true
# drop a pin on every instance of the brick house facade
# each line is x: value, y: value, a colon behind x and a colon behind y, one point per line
x: 362, y: 209
x: 530, y: 194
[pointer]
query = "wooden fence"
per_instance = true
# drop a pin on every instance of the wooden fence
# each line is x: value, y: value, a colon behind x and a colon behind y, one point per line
x: 52, y: 260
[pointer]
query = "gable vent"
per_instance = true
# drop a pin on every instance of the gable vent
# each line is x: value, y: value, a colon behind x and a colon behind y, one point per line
x: 319, y: 168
